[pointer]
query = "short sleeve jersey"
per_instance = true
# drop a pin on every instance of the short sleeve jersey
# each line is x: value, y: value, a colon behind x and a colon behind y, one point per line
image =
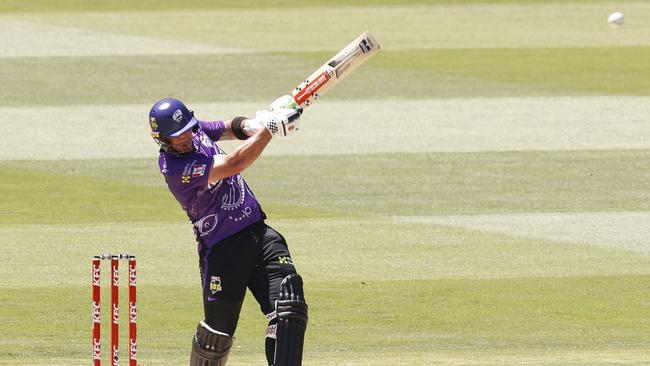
x: 219, y: 209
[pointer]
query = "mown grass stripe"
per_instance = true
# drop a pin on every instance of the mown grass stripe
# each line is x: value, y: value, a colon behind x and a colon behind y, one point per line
x: 385, y: 250
x: 434, y: 126
x: 418, y: 74
x: 72, y: 6
x: 515, y: 316
x: 372, y: 185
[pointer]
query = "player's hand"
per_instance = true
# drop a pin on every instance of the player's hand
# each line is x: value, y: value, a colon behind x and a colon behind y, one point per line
x: 283, y: 121
x: 280, y: 122
x: 285, y: 102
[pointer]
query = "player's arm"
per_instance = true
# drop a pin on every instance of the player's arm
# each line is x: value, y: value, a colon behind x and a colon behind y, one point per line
x: 258, y: 133
x: 245, y: 126
x: 279, y: 120
x: 228, y: 134
x: 240, y: 128
x: 240, y: 158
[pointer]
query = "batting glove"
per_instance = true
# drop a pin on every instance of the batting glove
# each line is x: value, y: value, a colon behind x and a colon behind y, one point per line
x: 283, y: 121
x: 280, y: 122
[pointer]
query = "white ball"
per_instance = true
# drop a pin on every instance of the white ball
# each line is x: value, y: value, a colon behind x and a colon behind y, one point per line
x: 616, y: 19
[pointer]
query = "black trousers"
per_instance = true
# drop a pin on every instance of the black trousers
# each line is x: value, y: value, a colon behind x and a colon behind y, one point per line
x: 256, y: 258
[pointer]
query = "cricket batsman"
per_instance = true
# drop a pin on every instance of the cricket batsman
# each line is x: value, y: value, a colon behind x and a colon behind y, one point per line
x: 237, y: 250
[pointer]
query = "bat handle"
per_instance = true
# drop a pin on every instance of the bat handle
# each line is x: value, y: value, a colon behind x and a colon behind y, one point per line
x: 292, y: 104
x: 295, y: 116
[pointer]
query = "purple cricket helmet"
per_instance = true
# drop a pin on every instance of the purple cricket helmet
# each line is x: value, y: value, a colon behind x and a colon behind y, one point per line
x: 169, y: 117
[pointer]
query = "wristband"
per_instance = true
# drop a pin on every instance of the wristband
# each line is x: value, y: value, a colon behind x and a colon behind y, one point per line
x: 235, y: 125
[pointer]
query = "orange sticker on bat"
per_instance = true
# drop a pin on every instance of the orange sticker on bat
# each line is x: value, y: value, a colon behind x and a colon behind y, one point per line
x: 311, y: 88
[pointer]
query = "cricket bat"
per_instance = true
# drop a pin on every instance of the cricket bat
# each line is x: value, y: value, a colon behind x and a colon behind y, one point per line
x: 337, y: 68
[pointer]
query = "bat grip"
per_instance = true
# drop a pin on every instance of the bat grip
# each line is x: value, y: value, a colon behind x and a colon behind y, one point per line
x: 292, y: 104
x: 294, y: 116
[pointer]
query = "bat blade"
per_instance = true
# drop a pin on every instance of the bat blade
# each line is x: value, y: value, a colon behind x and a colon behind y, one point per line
x: 334, y: 70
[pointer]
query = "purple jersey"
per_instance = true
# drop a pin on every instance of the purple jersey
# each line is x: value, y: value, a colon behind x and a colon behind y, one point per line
x: 217, y: 209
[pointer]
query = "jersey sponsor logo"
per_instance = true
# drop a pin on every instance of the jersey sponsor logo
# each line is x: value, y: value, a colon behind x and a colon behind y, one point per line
x: 187, y: 172
x: 215, y: 284
x: 198, y: 170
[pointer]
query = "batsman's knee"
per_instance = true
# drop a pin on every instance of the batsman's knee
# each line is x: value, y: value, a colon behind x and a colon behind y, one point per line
x: 291, y: 302
x: 210, y: 347
x: 291, y: 315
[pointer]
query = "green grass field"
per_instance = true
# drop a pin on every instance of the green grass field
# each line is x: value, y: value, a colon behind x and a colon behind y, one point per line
x: 477, y: 194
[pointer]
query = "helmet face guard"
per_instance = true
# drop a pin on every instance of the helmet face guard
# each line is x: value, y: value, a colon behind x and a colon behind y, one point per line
x: 169, y: 117
x: 169, y: 148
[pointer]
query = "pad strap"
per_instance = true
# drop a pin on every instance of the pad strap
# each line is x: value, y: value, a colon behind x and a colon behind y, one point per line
x: 237, y: 130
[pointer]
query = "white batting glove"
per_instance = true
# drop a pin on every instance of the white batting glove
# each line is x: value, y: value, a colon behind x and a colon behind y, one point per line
x: 252, y: 125
x: 280, y: 122
x: 283, y: 121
